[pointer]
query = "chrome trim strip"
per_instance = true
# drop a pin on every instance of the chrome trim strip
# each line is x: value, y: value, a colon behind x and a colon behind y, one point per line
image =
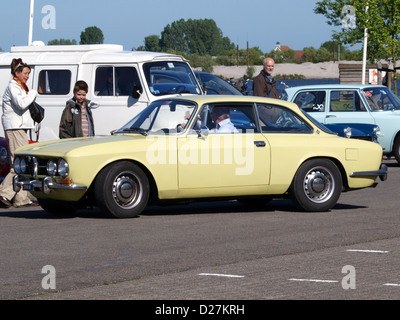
x: 381, y: 173
x: 46, y: 185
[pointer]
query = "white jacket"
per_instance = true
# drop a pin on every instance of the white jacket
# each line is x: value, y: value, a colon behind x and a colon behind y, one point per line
x: 16, y: 103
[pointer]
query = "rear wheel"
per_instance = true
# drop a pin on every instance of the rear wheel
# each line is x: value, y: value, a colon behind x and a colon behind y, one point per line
x: 122, y: 190
x: 317, y: 185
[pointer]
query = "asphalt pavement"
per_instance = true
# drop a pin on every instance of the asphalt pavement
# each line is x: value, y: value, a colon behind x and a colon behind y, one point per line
x: 222, y: 251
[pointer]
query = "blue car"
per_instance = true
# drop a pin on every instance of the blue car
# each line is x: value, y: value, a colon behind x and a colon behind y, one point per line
x: 360, y: 107
x: 214, y: 85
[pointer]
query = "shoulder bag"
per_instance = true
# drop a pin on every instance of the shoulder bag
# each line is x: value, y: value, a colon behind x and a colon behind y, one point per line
x: 37, y: 112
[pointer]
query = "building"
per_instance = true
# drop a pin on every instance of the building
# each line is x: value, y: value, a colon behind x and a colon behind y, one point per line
x: 298, y: 54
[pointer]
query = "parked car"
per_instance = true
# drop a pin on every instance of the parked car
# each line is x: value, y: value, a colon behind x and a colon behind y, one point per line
x: 4, y: 159
x: 352, y: 104
x: 133, y: 80
x: 361, y: 131
x: 173, y: 151
x: 213, y: 84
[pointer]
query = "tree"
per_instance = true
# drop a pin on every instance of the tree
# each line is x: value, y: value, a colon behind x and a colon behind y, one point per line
x: 92, y: 35
x: 333, y: 11
x: 152, y: 43
x: 194, y: 36
x: 382, y: 20
x: 61, y: 42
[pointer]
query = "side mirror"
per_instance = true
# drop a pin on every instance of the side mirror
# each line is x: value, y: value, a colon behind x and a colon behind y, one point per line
x: 203, y: 133
x: 136, y: 92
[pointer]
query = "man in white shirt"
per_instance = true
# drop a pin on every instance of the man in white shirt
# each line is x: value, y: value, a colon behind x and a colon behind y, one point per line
x: 222, y: 120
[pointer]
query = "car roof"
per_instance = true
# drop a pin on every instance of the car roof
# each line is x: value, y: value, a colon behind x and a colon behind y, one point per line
x: 83, y: 54
x: 333, y: 87
x: 204, y: 99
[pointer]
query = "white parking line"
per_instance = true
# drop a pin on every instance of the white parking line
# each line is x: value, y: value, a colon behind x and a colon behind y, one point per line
x: 368, y: 251
x: 392, y: 284
x: 314, y: 280
x: 220, y: 275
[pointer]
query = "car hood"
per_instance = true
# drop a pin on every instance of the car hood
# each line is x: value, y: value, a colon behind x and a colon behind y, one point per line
x: 72, y: 146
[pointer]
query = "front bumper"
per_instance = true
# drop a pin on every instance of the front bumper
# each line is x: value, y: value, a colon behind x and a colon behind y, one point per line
x: 381, y: 173
x: 46, y: 185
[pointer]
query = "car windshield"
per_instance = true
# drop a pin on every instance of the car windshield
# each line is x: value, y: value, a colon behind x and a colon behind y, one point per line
x: 161, y: 117
x: 381, y: 99
x: 170, y: 77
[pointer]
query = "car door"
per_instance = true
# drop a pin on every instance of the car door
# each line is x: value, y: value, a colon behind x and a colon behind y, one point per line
x: 288, y: 135
x: 313, y: 102
x: 345, y: 106
x: 224, y: 163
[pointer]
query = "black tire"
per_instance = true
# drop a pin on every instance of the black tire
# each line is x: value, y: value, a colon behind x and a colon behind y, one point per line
x: 396, y: 149
x: 316, y: 186
x: 57, y: 207
x: 122, y: 190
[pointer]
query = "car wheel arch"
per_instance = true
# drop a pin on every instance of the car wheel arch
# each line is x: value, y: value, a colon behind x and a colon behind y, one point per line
x: 317, y: 185
x: 149, y: 175
x: 338, y: 164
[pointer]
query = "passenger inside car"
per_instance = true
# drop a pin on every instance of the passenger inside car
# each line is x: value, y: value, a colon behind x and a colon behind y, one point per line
x: 221, y: 118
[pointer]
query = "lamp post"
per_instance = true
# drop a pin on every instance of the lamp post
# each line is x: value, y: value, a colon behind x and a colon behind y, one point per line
x: 364, y: 65
x: 31, y: 22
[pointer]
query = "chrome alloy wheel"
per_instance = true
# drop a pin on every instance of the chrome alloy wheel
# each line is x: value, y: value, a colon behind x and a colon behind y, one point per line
x: 127, y: 190
x: 319, y: 184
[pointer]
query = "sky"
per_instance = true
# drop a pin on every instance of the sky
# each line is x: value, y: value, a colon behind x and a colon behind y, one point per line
x: 261, y: 23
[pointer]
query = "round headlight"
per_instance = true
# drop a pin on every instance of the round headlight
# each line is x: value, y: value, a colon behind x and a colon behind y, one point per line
x: 23, y: 165
x: 377, y: 131
x: 63, y: 168
x: 51, y: 167
x: 3, y: 155
x: 347, y: 132
x: 17, y: 165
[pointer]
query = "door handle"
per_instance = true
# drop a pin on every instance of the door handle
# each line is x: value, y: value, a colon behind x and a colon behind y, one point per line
x: 330, y: 116
x: 259, y: 143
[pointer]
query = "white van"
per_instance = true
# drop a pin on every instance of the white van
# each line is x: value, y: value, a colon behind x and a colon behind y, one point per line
x: 121, y: 83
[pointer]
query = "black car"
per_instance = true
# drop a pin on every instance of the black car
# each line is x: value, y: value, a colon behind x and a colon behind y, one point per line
x: 215, y: 85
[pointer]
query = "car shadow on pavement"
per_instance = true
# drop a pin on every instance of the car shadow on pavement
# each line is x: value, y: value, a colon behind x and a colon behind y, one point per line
x: 39, y: 213
x: 217, y: 207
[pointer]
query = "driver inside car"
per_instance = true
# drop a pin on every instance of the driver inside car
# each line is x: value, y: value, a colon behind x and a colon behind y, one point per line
x: 222, y: 121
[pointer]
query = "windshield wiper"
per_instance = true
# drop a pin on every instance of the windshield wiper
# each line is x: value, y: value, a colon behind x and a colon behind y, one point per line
x: 136, y: 129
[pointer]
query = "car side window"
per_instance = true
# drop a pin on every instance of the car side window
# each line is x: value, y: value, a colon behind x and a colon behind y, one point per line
x: 277, y: 119
x: 54, y: 82
x: 311, y: 101
x: 116, y: 81
x: 346, y: 101
x: 228, y: 118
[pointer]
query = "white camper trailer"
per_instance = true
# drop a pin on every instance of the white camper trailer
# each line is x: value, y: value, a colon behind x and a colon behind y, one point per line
x: 121, y: 83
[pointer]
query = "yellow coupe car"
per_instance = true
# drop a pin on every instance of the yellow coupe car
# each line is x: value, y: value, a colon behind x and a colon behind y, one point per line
x: 200, y: 147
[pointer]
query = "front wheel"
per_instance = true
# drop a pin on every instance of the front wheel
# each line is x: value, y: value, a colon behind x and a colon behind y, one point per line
x: 122, y: 190
x: 317, y: 185
x: 396, y: 149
